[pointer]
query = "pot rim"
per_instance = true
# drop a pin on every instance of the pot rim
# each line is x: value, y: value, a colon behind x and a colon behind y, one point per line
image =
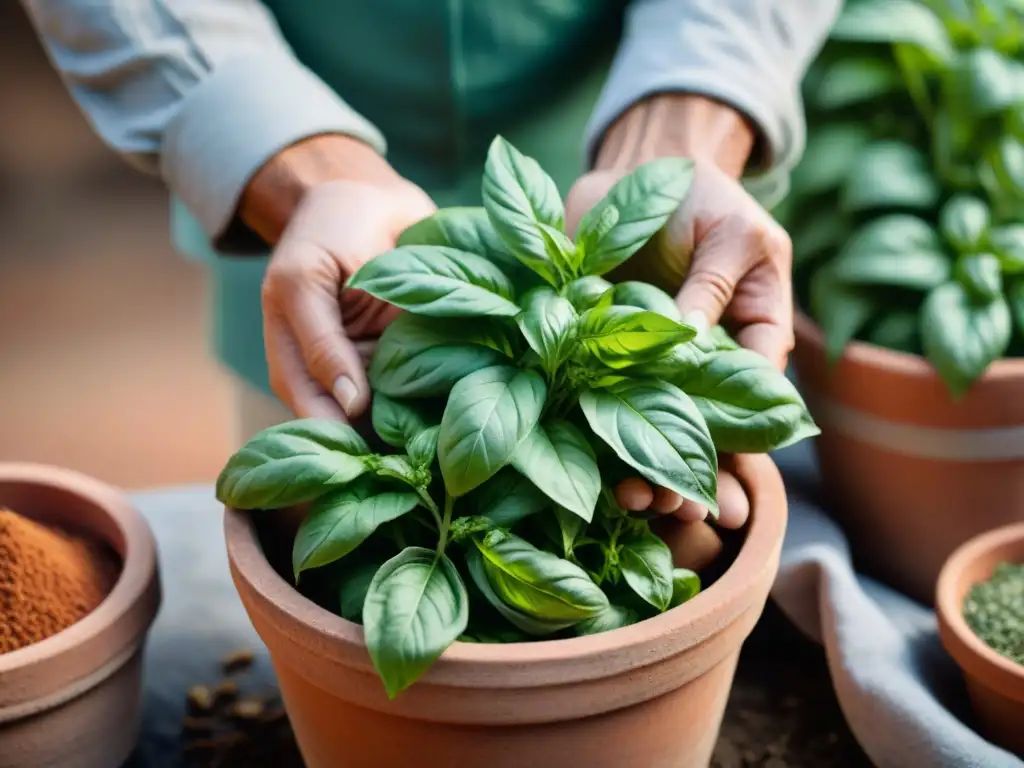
x: 903, y: 363
x: 48, y: 667
x: 549, y: 662
x: 968, y: 650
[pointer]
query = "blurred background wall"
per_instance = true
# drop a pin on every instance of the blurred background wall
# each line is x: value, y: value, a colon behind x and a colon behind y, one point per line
x: 103, y: 359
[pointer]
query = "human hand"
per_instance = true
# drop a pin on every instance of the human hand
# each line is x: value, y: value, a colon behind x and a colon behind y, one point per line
x: 348, y: 206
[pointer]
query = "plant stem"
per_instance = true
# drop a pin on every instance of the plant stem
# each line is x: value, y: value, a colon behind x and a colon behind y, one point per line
x: 431, y: 505
x: 449, y: 505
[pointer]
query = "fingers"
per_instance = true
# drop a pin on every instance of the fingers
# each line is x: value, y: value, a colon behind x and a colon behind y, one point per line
x: 289, y: 379
x: 733, y: 504
x: 634, y: 494
x: 722, y: 258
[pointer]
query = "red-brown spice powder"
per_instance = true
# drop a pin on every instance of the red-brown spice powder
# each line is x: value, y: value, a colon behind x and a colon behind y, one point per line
x: 48, y: 580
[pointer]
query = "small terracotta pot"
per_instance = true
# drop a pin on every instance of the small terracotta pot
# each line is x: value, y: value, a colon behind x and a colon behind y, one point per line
x: 995, y: 683
x: 645, y: 696
x: 73, y: 699
x: 911, y: 473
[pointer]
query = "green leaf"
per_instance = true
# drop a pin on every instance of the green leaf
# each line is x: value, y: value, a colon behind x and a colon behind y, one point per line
x: 561, y: 249
x: 519, y: 197
x: 1008, y: 243
x: 340, y: 521
x: 1016, y: 299
x: 352, y: 593
x: 528, y: 624
x: 890, y: 174
x: 396, y: 422
x: 570, y: 527
x: 425, y: 357
x: 657, y: 429
x: 961, y: 338
x: 644, y: 201
x: 818, y: 235
x: 548, y: 322
x: 632, y: 293
x: 415, y: 608
x: 685, y: 585
x: 557, y: 458
x: 647, y: 567
x: 422, y: 448
x: 981, y: 274
x: 1002, y: 169
x: 508, y: 497
x: 292, y: 463
x: 489, y: 413
x: 622, y: 336
x: 964, y: 222
x: 986, y: 82
x: 538, y: 583
x: 613, y: 617
x: 585, y: 292
x: 897, y: 330
x: 898, y: 250
x: 829, y: 158
x: 714, y: 339
x: 894, y: 21
x: 748, y: 405
x: 841, y: 310
x: 437, y: 281
x: 854, y: 81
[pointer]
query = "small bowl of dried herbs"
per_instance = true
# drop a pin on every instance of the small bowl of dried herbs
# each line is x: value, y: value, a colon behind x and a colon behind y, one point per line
x: 980, y: 607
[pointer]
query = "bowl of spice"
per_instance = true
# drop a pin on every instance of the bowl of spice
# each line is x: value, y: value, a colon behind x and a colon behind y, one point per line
x: 78, y: 592
x: 980, y: 607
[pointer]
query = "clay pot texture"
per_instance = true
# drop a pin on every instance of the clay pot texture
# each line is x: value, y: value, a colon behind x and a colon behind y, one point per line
x: 995, y: 684
x: 73, y: 700
x: 909, y: 473
x: 651, y: 695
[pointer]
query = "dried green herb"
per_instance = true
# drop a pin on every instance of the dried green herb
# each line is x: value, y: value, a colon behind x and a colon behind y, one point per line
x: 994, y: 610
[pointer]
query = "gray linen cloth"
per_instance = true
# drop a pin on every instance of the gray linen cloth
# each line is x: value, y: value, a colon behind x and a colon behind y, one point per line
x: 902, y: 695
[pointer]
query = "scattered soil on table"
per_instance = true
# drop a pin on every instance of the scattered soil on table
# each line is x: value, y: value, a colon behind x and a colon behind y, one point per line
x: 49, y: 579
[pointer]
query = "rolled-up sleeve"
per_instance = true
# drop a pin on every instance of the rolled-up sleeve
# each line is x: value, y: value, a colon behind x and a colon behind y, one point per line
x: 202, y: 92
x: 750, y: 54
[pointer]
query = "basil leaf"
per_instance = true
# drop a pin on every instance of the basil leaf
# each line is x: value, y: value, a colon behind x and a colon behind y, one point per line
x: 961, y: 338
x: 644, y: 200
x: 548, y: 322
x: 415, y: 608
x: 981, y: 274
x: 1002, y: 169
x: 352, y: 593
x: 528, y: 624
x: 489, y: 413
x: 1016, y: 299
x: 557, y: 458
x: 396, y: 422
x: 570, y: 527
x: 438, y: 282
x: 657, y: 429
x: 622, y: 336
x: 890, y: 174
x: 519, y: 197
x: 749, y: 406
x: 841, y: 310
x: 1008, y: 243
x: 561, y: 249
x: 829, y: 158
x: 292, y: 463
x: 508, y: 497
x: 897, y: 330
x: 714, y: 339
x: 818, y: 236
x: 340, y: 521
x: 585, y: 292
x: 894, y: 21
x: 647, y: 567
x: 898, y: 250
x: 987, y: 82
x: 853, y: 81
x: 685, y: 585
x: 425, y: 357
x: 423, y: 447
x: 613, y: 617
x: 964, y: 222
x: 632, y: 293
x: 538, y: 583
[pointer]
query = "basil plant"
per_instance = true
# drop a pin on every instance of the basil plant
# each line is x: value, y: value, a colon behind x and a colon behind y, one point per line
x: 516, y: 390
x: 907, y: 210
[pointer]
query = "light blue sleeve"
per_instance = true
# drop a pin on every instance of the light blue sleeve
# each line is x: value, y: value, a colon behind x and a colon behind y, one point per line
x: 750, y: 54
x: 202, y: 92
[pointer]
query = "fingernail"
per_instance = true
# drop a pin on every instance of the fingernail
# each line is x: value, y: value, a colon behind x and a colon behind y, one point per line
x: 345, y: 392
x: 697, y: 319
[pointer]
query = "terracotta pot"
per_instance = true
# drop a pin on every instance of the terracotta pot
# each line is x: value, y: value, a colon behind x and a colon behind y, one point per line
x: 73, y: 699
x: 648, y: 696
x: 909, y: 472
x: 995, y: 684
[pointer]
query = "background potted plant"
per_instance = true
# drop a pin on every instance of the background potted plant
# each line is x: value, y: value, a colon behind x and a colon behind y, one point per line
x: 496, y: 579
x: 908, y: 240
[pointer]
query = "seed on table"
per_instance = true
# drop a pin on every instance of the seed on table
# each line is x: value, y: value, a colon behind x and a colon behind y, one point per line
x: 237, y: 661
x: 200, y: 698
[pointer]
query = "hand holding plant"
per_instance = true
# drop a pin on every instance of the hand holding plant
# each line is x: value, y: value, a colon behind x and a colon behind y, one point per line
x: 518, y: 388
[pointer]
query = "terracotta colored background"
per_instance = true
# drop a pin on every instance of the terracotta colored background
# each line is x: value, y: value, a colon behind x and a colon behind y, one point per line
x: 103, y: 359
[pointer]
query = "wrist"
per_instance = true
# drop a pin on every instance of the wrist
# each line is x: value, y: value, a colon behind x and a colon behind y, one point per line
x: 678, y: 125
x: 276, y: 189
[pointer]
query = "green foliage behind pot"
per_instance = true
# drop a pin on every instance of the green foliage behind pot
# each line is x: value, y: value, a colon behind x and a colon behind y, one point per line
x: 517, y: 389
x: 907, y: 211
